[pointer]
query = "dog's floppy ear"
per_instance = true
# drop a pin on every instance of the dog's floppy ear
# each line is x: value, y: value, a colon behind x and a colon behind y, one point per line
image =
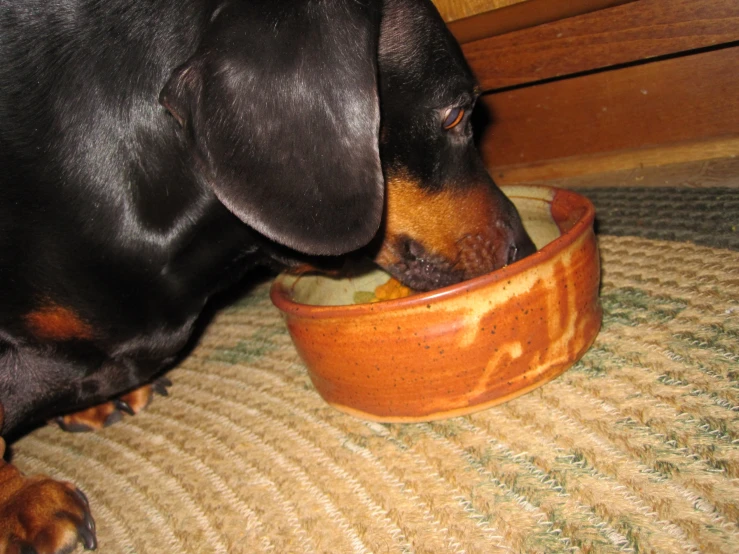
x: 280, y: 102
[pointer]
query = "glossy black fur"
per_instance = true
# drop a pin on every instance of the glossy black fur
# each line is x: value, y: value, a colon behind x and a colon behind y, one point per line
x: 412, y: 137
x: 151, y: 151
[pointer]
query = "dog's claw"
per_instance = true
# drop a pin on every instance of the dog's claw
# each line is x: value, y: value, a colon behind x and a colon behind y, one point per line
x: 124, y: 406
x: 160, y: 386
x: 113, y: 418
x: 87, y: 532
x: 71, y: 426
x: 82, y: 496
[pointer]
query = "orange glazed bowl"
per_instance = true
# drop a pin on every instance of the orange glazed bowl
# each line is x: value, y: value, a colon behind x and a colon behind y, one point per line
x: 461, y: 348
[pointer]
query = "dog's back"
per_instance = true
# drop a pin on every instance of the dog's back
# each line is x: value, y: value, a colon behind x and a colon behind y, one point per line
x: 99, y: 204
x: 79, y: 115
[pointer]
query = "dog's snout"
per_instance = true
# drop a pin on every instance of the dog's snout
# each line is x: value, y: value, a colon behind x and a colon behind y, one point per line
x: 434, y: 239
x: 498, y: 246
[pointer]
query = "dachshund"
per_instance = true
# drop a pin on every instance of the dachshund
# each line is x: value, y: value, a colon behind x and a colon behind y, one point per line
x: 153, y: 151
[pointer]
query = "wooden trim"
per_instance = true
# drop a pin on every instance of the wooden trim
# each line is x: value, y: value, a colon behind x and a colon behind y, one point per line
x: 523, y: 15
x: 605, y: 38
x: 687, y: 99
x: 454, y: 10
x: 579, y: 166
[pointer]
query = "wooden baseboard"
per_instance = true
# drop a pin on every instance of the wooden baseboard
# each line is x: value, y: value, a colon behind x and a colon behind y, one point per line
x: 722, y: 148
x: 523, y: 15
x: 692, y: 99
x: 605, y: 38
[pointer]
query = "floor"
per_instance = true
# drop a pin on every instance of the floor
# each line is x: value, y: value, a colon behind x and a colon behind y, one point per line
x: 696, y: 201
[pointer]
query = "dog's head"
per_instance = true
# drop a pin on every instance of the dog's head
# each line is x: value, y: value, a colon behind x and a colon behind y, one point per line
x: 312, y: 119
x: 445, y: 219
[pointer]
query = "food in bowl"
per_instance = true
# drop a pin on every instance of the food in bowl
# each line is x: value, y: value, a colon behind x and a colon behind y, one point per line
x: 463, y: 347
x: 390, y: 290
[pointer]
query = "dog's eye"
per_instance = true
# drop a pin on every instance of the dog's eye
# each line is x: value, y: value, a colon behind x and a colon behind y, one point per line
x: 452, y: 117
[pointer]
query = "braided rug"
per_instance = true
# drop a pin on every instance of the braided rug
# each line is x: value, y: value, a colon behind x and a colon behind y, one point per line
x: 635, y: 449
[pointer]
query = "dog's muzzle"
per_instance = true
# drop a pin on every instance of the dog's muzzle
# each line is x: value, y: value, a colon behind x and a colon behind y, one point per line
x: 435, y: 239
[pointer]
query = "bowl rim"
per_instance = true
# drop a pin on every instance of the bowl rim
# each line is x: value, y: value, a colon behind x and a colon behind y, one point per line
x: 279, y: 293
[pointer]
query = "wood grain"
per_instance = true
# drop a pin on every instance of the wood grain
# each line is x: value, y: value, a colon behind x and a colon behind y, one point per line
x: 452, y: 10
x: 521, y: 16
x: 691, y: 98
x: 711, y: 173
x: 628, y: 166
x: 618, y: 35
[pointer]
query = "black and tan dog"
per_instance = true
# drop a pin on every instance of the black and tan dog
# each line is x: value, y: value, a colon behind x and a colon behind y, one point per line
x: 151, y: 151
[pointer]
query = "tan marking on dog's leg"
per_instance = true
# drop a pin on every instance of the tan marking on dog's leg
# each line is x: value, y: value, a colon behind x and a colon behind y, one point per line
x: 107, y: 413
x: 50, y: 516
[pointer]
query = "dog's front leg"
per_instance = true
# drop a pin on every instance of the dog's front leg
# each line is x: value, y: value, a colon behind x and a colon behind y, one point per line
x: 39, y: 514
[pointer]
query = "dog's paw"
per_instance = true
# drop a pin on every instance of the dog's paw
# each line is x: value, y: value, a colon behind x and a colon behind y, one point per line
x: 39, y: 515
x: 108, y: 413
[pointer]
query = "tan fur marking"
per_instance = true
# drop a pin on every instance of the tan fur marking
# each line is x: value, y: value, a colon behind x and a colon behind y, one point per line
x: 438, y: 220
x: 98, y: 416
x: 54, y: 322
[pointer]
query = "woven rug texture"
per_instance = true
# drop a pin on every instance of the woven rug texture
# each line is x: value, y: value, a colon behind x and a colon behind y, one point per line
x: 634, y: 449
x: 707, y: 216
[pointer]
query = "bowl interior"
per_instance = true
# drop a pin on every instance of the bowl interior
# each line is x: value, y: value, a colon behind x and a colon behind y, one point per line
x: 533, y: 204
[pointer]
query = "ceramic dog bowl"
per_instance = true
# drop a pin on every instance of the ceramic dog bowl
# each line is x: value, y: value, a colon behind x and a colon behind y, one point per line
x: 462, y: 348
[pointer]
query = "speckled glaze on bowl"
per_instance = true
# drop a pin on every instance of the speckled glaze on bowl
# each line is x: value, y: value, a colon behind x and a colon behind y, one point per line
x: 461, y: 348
